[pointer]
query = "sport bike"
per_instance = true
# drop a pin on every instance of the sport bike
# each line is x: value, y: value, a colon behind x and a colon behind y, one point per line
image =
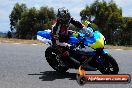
x: 87, y: 52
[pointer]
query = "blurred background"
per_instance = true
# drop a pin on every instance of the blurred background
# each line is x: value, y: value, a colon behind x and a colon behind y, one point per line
x: 21, y: 19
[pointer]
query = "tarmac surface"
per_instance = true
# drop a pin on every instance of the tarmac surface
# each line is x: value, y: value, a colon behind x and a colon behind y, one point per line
x: 24, y: 66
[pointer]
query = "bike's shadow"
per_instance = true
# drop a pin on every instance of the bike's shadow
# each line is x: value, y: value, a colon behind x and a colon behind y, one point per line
x: 53, y: 75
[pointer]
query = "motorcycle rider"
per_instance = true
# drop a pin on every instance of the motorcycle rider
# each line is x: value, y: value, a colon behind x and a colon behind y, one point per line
x: 60, y: 29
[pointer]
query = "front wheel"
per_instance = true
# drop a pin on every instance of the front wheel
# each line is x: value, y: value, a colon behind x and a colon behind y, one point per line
x: 109, y: 65
x: 53, y: 58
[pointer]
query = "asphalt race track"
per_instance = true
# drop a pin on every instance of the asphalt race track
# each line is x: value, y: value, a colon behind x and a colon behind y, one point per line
x: 24, y: 66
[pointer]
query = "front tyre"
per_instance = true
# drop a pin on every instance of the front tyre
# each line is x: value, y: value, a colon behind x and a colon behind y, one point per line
x: 53, y: 58
x: 109, y: 66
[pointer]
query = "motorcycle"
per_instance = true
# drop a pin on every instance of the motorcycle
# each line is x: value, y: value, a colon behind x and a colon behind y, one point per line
x: 86, y: 53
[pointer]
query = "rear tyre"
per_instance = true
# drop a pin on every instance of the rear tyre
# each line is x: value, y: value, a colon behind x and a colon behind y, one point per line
x: 109, y: 66
x: 53, y: 58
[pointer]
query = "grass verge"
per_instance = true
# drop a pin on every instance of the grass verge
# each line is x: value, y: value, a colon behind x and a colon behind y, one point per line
x: 7, y: 40
x: 118, y: 47
x: 12, y: 40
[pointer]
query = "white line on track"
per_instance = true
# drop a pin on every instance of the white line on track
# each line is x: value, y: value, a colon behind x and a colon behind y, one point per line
x: 17, y: 43
x: 118, y: 49
x: 22, y: 43
x: 34, y: 44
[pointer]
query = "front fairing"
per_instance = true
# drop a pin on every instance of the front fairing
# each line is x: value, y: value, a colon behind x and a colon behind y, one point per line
x: 97, y: 41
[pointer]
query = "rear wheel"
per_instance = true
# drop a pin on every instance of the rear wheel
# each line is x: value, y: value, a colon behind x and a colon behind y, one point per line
x: 53, y: 58
x: 109, y: 65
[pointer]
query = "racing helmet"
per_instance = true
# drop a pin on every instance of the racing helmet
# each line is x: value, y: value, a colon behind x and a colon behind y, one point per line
x: 63, y: 16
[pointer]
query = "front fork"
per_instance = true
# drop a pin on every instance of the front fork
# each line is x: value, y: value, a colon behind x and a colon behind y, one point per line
x: 97, y: 57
